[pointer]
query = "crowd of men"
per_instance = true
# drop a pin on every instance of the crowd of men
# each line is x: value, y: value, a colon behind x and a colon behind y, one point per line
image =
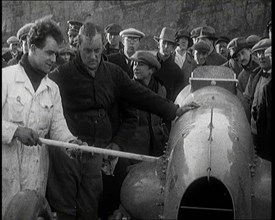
x: 99, y: 89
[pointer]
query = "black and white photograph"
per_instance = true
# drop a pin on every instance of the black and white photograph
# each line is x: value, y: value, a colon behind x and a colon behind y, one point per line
x: 137, y: 110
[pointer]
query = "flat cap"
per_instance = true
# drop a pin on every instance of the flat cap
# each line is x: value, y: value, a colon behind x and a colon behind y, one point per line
x: 65, y: 49
x: 74, y: 26
x: 252, y: 40
x: 167, y: 34
x: 237, y: 44
x: 147, y: 58
x: 23, y: 31
x: 208, y: 32
x: 222, y: 39
x: 268, y: 52
x: 201, y: 46
x: 182, y: 33
x: 12, y: 39
x: 131, y: 32
x: 113, y: 29
x: 262, y: 45
x: 195, y: 32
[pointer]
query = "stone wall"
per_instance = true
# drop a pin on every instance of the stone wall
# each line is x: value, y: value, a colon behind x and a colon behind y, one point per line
x: 231, y: 18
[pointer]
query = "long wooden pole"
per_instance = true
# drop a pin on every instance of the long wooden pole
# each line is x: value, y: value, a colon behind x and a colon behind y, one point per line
x: 99, y: 150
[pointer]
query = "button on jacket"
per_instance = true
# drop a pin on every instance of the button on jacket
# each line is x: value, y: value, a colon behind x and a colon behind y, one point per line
x: 24, y: 166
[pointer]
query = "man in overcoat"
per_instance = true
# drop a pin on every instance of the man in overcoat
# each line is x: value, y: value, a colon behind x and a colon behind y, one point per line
x: 183, y: 55
x: 207, y: 34
x: 170, y: 73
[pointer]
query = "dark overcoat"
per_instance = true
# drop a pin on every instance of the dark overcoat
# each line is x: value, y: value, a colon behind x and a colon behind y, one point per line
x: 171, y: 76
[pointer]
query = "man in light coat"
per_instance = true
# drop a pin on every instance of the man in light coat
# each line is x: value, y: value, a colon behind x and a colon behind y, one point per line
x: 31, y: 108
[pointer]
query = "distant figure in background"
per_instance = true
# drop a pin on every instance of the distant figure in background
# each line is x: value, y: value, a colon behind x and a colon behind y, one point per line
x: 221, y: 46
x: 264, y: 122
x: 240, y: 49
x: 131, y: 40
x: 183, y: 55
x: 73, y: 29
x: 207, y: 34
x: 113, y: 44
x: 22, y: 34
x: 260, y: 81
x: 66, y: 53
x: 201, y: 52
x: 170, y: 73
x: 13, y: 43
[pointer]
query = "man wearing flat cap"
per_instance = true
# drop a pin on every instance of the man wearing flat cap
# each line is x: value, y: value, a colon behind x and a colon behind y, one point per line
x: 221, y: 46
x: 207, y: 34
x: 201, y: 52
x: 262, y: 70
x: 73, y: 29
x: 150, y: 136
x: 22, y: 34
x: 113, y: 44
x: 183, y: 54
x: 170, y: 73
x: 240, y: 50
x: 131, y: 40
x: 260, y: 81
x: 13, y: 43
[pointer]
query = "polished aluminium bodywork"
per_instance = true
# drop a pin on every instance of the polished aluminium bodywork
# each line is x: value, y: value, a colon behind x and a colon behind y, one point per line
x: 209, y: 168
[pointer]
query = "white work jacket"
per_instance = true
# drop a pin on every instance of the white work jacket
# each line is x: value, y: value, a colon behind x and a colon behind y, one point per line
x: 26, y: 167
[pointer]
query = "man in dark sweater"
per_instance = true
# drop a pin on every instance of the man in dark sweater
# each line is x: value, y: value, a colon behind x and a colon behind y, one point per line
x: 90, y: 88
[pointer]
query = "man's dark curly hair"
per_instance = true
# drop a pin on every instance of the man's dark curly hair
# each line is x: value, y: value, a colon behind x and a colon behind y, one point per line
x: 43, y: 28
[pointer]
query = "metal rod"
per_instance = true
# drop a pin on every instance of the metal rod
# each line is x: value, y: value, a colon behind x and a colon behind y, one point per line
x: 203, y: 208
x: 99, y: 150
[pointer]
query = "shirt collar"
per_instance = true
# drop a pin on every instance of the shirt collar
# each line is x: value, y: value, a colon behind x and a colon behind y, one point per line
x: 26, y: 66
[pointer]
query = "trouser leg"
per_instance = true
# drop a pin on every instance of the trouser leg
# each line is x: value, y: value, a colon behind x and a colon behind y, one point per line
x: 110, y: 199
x: 63, y: 182
x: 90, y: 188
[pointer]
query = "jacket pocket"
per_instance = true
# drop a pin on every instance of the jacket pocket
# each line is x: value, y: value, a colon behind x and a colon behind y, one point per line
x: 16, y: 108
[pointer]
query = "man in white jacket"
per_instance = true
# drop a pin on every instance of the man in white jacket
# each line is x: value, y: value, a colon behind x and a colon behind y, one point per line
x: 31, y: 108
